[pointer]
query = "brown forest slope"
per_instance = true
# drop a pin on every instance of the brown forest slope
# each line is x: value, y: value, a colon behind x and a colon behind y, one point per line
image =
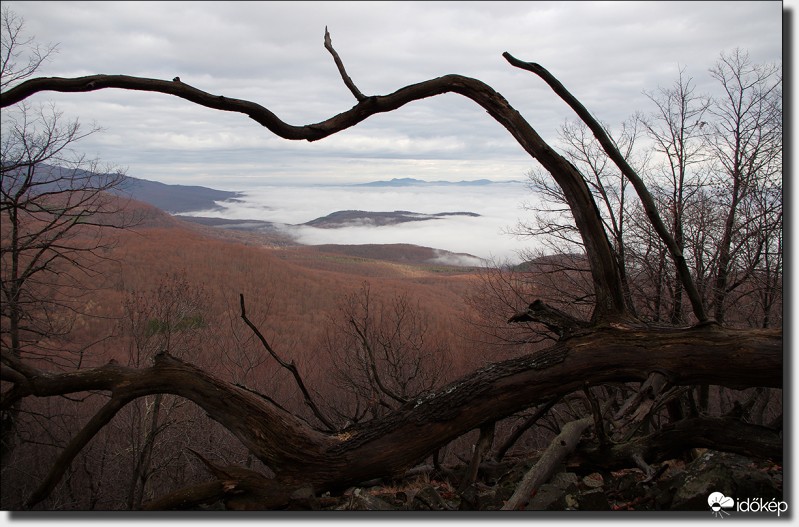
x: 291, y: 291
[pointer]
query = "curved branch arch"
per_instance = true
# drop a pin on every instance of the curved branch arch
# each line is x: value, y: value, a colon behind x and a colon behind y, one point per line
x: 643, y: 193
x: 610, y: 304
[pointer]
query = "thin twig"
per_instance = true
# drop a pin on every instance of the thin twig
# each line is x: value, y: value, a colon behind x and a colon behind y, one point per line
x: 340, y: 65
x: 287, y: 365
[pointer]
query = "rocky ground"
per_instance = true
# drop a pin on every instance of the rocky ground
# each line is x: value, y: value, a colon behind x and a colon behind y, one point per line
x: 679, y: 486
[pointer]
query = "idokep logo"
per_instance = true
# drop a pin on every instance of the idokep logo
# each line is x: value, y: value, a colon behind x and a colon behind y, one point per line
x: 719, y: 504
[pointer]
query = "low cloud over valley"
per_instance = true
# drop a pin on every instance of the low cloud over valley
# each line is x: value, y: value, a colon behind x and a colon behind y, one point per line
x: 461, y: 219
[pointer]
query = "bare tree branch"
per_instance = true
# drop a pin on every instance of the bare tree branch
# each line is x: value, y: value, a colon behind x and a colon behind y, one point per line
x: 605, y: 273
x: 629, y: 172
x: 392, y: 443
x: 14, y: 47
x: 290, y: 366
x: 340, y: 65
x: 560, y: 447
x: 100, y: 419
x: 556, y: 320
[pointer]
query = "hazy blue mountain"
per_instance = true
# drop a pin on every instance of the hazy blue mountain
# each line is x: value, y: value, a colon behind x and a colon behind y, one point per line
x: 169, y: 198
x: 175, y: 198
x: 410, y: 182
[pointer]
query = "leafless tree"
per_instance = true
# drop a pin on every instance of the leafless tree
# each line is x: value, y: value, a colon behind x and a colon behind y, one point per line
x: 697, y: 195
x: 169, y: 318
x: 17, y: 47
x: 55, y: 207
x: 677, y: 129
x: 383, y: 352
x: 747, y: 146
x: 552, y: 228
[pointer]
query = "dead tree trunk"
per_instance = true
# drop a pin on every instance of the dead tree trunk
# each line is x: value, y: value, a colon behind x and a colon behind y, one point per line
x: 563, y: 445
x: 303, y: 456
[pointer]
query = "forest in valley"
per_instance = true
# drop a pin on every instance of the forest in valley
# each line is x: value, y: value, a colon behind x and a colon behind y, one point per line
x: 152, y: 363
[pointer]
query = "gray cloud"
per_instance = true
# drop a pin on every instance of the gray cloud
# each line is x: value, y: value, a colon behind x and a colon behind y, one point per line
x: 271, y: 52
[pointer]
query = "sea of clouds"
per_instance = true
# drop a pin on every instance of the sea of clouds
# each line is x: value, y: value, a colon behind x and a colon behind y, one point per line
x: 500, y: 206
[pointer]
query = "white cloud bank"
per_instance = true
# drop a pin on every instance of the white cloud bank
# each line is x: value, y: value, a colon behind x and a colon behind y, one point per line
x: 499, y: 207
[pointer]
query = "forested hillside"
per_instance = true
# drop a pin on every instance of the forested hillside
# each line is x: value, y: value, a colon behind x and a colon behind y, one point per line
x: 295, y: 287
x: 168, y: 285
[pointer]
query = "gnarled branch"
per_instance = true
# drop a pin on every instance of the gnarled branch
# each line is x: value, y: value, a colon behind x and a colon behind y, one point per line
x: 554, y: 319
x: 390, y: 444
x: 643, y: 193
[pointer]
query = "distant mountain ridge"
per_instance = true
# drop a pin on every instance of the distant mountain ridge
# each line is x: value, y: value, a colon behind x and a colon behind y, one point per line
x: 175, y: 199
x: 164, y: 204
x: 412, y: 182
x: 172, y: 199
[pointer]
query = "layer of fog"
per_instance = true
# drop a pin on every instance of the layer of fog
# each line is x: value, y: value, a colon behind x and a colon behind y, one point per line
x: 499, y: 205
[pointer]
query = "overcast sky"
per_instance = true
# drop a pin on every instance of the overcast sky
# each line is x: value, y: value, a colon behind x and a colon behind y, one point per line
x: 606, y: 53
